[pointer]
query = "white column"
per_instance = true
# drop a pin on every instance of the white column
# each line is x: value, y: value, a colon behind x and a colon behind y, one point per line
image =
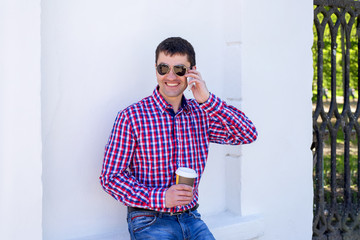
x: 20, y: 120
x: 276, y: 93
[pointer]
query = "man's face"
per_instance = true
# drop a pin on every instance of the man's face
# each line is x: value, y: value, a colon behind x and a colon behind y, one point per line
x: 171, y: 86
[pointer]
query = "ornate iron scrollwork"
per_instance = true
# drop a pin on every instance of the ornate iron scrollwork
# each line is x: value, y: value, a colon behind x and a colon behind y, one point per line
x: 336, y: 121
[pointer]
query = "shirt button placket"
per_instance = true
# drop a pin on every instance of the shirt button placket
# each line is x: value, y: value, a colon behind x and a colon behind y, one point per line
x: 176, y: 130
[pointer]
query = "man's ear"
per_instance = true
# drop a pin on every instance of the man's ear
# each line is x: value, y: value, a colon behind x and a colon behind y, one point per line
x: 193, y: 68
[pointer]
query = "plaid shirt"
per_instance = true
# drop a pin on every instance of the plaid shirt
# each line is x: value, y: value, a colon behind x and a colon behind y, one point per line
x: 149, y: 142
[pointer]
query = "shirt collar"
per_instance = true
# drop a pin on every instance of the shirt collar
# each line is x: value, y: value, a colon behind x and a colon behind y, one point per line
x: 163, y: 105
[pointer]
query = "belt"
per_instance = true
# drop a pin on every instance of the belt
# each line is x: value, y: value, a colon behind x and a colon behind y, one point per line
x: 134, y: 209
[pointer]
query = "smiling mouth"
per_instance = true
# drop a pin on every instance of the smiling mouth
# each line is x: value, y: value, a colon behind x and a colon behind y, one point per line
x: 172, y: 84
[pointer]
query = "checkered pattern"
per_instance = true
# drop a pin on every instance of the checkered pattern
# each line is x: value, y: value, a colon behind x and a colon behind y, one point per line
x: 149, y: 142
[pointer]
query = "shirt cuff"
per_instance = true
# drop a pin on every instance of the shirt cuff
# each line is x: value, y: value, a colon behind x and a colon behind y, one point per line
x: 157, y: 198
x: 212, y: 105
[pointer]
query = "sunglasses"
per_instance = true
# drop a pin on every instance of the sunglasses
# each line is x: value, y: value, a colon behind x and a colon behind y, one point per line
x: 179, y: 70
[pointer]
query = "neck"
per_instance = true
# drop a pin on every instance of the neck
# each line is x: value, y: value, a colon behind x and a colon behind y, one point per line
x: 174, y: 102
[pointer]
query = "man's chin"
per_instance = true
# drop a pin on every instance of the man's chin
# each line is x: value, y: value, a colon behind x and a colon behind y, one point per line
x: 173, y: 93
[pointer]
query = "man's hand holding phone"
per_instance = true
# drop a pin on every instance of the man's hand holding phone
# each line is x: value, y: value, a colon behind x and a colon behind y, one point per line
x: 197, y: 85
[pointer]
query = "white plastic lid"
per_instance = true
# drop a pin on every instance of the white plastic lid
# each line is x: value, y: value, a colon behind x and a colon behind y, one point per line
x: 186, y: 172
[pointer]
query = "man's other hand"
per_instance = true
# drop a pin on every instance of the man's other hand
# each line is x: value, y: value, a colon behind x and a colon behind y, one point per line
x: 178, y: 195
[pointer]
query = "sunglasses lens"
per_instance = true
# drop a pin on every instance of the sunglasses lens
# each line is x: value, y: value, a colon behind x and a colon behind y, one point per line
x: 162, y: 69
x: 180, y: 70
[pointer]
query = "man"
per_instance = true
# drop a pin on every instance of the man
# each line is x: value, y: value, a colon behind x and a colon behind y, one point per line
x: 151, y: 139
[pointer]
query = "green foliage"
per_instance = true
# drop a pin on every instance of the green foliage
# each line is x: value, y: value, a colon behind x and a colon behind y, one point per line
x: 338, y: 36
x: 340, y: 164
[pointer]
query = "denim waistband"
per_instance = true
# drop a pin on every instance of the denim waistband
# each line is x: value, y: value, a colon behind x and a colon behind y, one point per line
x: 134, y: 209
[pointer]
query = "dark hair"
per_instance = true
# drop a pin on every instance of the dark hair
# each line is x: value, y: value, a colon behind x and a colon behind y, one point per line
x: 176, y: 45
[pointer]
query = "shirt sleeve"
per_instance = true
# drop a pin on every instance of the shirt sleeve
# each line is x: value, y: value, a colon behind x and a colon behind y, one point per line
x: 115, y: 177
x: 228, y: 125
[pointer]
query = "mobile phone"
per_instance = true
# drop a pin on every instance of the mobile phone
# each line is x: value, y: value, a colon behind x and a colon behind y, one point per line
x: 192, y: 85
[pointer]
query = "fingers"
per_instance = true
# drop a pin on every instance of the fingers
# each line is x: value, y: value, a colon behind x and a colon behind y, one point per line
x: 183, y: 198
x: 195, y: 75
x: 196, y: 81
x: 184, y: 191
x: 198, y: 86
x: 182, y: 187
x: 178, y: 195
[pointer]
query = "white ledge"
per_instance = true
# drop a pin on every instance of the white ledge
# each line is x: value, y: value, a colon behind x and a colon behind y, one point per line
x: 224, y: 226
x: 228, y: 226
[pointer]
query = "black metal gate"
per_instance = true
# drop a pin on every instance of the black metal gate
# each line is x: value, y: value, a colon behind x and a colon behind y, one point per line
x: 336, y: 126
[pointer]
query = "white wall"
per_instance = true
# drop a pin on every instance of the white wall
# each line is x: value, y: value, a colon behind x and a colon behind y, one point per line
x: 276, y: 92
x: 97, y: 57
x: 20, y: 129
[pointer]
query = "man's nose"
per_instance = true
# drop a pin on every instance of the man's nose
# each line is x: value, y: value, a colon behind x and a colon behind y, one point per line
x: 171, y: 74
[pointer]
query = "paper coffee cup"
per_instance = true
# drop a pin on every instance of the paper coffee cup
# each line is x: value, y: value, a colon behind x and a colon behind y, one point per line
x: 185, y: 176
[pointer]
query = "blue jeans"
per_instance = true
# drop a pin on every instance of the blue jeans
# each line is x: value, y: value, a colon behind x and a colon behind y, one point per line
x: 152, y: 225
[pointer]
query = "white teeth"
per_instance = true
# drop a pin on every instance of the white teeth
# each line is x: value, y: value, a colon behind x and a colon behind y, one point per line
x: 172, y: 84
